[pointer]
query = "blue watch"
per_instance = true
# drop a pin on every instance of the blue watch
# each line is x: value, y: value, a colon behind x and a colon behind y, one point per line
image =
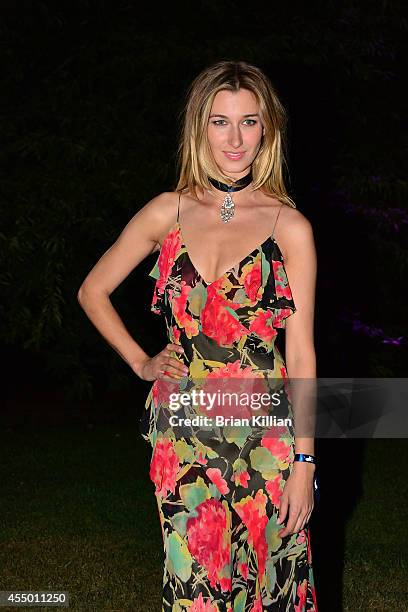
x: 305, y: 458
x: 316, y: 483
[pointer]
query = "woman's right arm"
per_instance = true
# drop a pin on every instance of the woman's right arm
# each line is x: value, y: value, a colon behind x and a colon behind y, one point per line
x: 141, y: 237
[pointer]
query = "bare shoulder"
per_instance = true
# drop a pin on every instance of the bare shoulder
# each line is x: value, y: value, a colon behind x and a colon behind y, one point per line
x: 294, y: 232
x: 162, y: 208
x: 156, y: 218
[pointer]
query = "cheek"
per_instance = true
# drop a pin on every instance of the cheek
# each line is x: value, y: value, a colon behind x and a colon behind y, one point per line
x: 254, y: 138
x: 215, y: 139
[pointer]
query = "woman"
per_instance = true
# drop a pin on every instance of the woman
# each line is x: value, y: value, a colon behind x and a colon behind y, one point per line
x: 228, y: 277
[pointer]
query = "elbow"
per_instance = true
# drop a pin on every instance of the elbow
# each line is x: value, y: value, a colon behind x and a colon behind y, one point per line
x: 88, y: 294
x: 80, y: 294
x: 83, y: 293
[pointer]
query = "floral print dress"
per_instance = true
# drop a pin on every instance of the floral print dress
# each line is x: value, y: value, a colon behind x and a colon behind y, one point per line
x: 218, y: 490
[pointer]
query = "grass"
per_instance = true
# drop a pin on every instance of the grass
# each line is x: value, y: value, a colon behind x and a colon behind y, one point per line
x: 78, y: 513
x: 376, y: 559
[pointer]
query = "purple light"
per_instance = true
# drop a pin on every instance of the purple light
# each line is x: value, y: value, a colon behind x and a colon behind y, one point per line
x: 395, y: 216
x: 372, y: 332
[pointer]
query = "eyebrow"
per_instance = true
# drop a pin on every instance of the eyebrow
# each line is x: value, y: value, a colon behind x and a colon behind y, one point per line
x: 226, y: 117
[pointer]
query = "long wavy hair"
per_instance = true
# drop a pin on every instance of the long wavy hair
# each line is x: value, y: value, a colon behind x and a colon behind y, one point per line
x: 195, y: 159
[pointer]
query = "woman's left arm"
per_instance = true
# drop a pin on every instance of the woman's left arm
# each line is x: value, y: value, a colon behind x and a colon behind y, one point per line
x: 301, y: 268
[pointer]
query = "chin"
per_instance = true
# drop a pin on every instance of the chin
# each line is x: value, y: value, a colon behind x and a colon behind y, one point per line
x: 234, y: 167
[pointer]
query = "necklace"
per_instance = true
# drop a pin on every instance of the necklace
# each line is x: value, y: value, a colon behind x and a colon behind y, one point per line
x: 227, y: 210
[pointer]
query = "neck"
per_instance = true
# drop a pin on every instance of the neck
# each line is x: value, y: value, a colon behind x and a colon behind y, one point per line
x: 234, y: 185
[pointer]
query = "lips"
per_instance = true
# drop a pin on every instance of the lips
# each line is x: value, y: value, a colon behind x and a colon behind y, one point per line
x: 234, y: 156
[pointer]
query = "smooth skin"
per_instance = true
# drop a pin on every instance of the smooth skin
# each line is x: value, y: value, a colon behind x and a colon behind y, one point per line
x: 235, y: 125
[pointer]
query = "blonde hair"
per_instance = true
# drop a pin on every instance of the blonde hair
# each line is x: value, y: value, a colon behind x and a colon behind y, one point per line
x: 195, y: 159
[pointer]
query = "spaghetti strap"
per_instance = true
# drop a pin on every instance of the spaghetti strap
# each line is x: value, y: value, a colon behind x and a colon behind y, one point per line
x: 178, y: 208
x: 277, y: 217
x: 197, y: 316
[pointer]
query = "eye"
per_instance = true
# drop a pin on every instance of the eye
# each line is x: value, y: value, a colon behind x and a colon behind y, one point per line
x: 219, y: 121
x: 250, y: 121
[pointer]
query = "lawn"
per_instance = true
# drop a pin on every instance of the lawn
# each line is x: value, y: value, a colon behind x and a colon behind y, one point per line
x: 78, y: 513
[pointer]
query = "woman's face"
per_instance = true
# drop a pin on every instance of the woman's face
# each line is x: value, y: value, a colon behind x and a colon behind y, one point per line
x: 235, y: 131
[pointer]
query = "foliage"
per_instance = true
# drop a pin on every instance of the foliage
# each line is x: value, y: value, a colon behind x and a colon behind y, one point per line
x: 90, y: 123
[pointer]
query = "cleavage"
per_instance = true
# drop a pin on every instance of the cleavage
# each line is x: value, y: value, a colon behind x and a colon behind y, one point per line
x: 246, y: 253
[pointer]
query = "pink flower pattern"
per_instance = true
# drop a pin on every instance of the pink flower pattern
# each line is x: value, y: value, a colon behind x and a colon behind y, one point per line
x: 217, y: 500
x: 207, y: 541
x: 164, y: 467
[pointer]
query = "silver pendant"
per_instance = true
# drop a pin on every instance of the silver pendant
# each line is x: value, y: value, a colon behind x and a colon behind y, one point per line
x: 227, y: 209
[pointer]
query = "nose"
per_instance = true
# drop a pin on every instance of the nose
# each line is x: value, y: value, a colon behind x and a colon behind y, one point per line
x: 235, y: 136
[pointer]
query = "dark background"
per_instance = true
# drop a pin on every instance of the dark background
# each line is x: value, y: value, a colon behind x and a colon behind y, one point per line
x: 89, y: 122
x: 91, y: 93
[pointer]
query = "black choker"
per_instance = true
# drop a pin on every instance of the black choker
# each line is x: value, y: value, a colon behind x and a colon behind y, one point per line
x: 228, y: 207
x: 235, y: 186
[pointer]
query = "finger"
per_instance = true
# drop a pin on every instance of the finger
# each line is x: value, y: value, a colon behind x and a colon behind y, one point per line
x: 172, y: 364
x: 179, y: 366
x: 174, y: 368
x: 300, y: 523
x: 309, y: 514
x: 166, y: 376
x: 292, y: 520
x: 174, y: 347
x: 283, y: 508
